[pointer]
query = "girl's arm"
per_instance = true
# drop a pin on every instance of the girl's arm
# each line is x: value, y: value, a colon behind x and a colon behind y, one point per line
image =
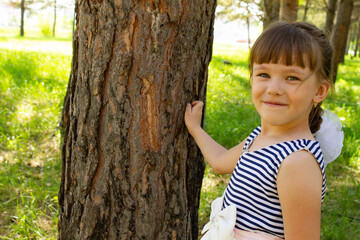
x: 299, y: 184
x: 223, y: 161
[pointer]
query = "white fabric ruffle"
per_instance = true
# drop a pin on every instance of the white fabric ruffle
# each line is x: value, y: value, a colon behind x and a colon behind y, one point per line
x: 330, y: 136
x: 222, y: 222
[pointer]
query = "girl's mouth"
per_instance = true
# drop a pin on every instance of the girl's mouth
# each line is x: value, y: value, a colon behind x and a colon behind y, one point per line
x: 274, y: 104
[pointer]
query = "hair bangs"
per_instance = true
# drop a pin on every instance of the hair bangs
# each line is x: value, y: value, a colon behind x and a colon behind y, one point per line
x: 285, y: 44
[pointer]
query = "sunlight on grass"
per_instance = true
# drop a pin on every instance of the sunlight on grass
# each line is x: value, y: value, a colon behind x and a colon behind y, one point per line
x: 24, y: 112
x: 45, y: 45
x: 31, y: 92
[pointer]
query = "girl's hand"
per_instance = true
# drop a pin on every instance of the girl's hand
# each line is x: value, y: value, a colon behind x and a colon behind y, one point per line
x: 223, y: 161
x: 193, y: 115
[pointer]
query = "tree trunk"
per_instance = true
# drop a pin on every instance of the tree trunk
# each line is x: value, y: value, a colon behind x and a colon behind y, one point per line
x: 288, y: 10
x: 54, y: 24
x: 271, y: 10
x: 330, y: 16
x: 306, y: 9
x: 74, y: 20
x: 340, y: 32
x: 348, y: 43
x: 248, y: 32
x: 22, y: 10
x: 357, y: 40
x: 130, y: 170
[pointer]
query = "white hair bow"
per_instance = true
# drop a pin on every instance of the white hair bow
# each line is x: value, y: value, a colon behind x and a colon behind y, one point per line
x: 330, y: 136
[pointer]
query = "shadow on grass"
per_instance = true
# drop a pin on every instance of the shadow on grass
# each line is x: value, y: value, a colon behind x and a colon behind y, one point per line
x: 22, y: 68
x: 234, y: 68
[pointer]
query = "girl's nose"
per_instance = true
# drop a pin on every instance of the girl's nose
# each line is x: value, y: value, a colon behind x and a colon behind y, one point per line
x: 275, y: 87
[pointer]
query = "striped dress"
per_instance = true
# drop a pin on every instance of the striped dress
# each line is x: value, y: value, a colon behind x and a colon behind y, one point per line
x: 252, y: 187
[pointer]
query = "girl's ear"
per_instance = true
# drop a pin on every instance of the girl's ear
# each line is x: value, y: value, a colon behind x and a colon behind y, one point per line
x: 322, y: 91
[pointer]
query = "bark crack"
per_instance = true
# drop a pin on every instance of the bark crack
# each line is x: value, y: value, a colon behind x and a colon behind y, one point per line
x: 104, y: 101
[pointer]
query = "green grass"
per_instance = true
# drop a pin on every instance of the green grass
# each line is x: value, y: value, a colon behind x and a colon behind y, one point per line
x: 230, y: 117
x: 32, y: 88
x: 35, y: 33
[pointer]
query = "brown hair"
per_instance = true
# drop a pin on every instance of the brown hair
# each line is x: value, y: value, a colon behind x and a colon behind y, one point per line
x: 296, y: 43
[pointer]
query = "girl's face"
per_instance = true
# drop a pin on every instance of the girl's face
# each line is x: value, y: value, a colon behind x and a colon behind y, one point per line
x: 284, y: 95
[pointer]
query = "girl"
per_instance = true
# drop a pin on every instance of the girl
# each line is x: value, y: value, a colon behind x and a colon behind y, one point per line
x: 278, y: 176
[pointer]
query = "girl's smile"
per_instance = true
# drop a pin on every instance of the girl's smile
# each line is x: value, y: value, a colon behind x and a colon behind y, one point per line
x: 283, y: 94
x: 274, y: 104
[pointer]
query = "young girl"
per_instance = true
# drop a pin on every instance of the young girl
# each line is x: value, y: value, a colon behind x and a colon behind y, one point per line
x: 278, y: 172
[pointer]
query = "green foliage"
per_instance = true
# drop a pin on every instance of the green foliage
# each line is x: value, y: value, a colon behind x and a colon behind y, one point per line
x: 230, y: 117
x: 32, y: 88
x: 234, y: 10
x: 46, y: 29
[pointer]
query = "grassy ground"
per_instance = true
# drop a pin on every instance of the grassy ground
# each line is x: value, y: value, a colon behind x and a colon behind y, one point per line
x: 33, y: 85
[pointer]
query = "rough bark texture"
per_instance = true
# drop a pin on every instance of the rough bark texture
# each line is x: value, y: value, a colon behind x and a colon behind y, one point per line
x: 130, y: 169
x: 288, y: 10
x: 330, y: 15
x: 271, y: 10
x: 340, y: 32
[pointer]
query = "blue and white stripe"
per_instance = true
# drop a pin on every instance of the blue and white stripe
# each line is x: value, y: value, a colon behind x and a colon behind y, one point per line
x: 252, y: 187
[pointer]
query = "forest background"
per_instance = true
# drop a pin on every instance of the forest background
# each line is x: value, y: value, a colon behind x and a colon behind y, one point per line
x: 34, y: 72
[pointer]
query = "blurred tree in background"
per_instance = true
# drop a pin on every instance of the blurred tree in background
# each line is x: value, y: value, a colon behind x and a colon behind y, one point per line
x: 356, y: 29
x: 330, y: 15
x: 244, y: 10
x: 57, y: 5
x: 23, y: 5
x: 288, y: 10
x: 340, y: 32
x: 271, y: 9
x: 30, y: 8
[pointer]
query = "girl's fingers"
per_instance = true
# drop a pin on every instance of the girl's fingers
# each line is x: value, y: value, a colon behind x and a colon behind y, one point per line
x: 194, y: 106
x: 195, y: 102
x: 199, y: 105
x: 188, y: 107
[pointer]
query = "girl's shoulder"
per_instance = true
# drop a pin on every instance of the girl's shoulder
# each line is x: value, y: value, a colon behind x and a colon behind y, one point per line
x: 289, y: 146
x: 251, y: 137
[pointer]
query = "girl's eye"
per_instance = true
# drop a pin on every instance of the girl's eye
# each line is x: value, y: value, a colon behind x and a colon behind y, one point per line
x: 292, y: 78
x: 264, y: 75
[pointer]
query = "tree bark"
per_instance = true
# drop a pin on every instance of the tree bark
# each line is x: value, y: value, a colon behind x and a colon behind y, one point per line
x: 330, y: 16
x: 22, y: 12
x: 288, y: 10
x: 130, y: 170
x: 271, y: 10
x: 340, y: 32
